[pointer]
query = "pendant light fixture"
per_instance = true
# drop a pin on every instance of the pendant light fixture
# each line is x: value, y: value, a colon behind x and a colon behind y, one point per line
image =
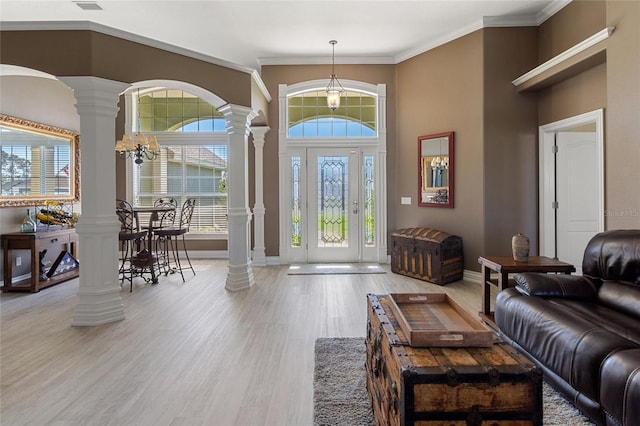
x: 141, y: 146
x: 334, y: 88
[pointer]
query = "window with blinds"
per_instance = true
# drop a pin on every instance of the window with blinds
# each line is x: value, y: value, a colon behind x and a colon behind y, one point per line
x: 31, y: 169
x: 193, y: 164
x: 188, y: 171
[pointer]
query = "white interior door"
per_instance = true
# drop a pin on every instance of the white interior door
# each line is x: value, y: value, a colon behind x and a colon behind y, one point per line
x: 333, y: 204
x: 576, y: 182
x: 571, y: 186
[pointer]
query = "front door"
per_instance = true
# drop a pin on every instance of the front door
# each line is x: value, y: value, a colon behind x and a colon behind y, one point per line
x: 334, y: 204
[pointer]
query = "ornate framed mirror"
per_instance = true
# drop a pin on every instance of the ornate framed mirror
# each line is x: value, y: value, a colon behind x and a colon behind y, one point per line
x: 435, y: 170
x: 39, y: 162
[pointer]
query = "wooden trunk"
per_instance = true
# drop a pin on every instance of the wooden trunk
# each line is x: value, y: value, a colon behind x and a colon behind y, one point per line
x: 427, y: 254
x: 446, y: 386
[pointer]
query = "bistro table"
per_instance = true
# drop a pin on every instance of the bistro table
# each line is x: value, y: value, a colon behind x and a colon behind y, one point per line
x: 146, y: 258
x: 505, y: 265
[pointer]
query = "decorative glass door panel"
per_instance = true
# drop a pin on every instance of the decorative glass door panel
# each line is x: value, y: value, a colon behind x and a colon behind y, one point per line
x: 333, y: 212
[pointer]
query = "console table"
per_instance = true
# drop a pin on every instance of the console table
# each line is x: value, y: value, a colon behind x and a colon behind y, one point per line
x: 55, y: 242
x: 504, y: 266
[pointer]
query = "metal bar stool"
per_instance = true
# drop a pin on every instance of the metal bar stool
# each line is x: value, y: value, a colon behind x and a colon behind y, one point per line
x: 167, y: 237
x: 131, y: 239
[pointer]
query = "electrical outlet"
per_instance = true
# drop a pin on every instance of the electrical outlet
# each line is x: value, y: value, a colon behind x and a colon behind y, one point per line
x: 18, y: 261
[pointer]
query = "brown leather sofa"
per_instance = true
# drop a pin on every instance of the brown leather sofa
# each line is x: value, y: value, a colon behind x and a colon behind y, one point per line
x: 584, y: 331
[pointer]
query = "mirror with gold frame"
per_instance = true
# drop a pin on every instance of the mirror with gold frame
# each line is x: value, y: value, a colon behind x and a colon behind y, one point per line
x: 39, y: 162
x: 435, y: 165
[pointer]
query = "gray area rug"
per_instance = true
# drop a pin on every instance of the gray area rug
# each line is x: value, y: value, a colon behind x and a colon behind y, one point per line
x: 335, y: 268
x: 340, y: 394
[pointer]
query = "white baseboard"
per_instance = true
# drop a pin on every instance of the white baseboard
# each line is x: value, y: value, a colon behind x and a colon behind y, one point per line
x: 208, y: 254
x: 473, y: 276
x: 18, y: 278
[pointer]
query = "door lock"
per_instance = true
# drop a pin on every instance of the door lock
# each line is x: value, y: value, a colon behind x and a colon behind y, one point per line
x: 355, y: 207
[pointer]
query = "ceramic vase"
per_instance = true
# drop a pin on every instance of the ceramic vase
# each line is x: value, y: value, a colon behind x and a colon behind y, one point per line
x: 520, y: 247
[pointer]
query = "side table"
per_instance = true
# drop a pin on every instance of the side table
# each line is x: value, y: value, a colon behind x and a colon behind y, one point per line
x: 505, y: 265
x: 55, y: 242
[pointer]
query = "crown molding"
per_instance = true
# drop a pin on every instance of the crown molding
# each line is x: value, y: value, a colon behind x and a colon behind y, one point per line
x: 103, y: 29
x: 326, y: 60
x: 432, y: 44
x: 510, y: 21
x: 260, y: 83
x: 551, y: 9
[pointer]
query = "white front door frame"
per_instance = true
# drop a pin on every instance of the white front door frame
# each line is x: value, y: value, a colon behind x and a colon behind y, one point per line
x: 288, y: 148
x: 547, y: 180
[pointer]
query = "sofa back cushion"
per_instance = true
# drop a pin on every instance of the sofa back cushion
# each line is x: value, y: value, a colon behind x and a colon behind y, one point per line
x: 621, y: 296
x: 614, y: 255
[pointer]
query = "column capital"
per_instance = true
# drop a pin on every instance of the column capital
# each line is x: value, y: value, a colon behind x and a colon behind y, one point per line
x: 238, y: 118
x: 96, y: 95
x: 260, y: 131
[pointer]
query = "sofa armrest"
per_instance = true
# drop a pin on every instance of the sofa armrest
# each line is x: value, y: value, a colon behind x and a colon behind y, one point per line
x: 557, y: 285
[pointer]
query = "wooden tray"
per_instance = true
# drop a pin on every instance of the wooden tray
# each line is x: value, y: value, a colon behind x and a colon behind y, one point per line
x: 435, y: 319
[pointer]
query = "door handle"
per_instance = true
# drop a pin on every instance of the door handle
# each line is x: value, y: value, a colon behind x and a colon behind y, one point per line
x: 355, y: 207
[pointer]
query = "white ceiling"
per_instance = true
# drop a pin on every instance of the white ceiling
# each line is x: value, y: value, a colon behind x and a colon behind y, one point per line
x: 247, y: 34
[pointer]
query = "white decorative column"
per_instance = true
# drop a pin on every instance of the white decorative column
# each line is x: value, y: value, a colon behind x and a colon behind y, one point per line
x: 99, y: 300
x: 259, y: 257
x: 240, y: 275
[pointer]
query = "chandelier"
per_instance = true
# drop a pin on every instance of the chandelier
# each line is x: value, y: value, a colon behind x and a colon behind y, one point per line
x: 440, y: 163
x: 334, y: 88
x: 140, y: 146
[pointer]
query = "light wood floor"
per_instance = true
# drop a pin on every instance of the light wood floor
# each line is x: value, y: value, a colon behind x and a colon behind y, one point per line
x: 187, y: 353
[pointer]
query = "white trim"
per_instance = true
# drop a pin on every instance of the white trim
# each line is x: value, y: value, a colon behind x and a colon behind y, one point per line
x: 263, y: 88
x: 17, y: 279
x: 472, y: 276
x: 546, y: 173
x: 15, y: 70
x: 567, y: 54
x: 509, y: 21
x: 208, y: 254
x: 287, y: 148
x: 432, y: 44
x: 552, y: 8
x: 203, y: 236
x: 489, y: 21
x: 324, y: 60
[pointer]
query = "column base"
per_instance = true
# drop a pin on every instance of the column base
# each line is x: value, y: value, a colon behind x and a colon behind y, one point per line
x: 259, y: 257
x: 239, y: 278
x: 98, y: 306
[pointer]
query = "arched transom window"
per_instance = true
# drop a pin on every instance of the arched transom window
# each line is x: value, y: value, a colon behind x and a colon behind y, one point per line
x: 310, y: 117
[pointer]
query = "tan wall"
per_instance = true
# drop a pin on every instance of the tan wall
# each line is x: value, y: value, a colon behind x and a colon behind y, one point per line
x: 510, y: 140
x: 462, y: 86
x: 438, y: 91
x: 585, y: 92
x: 78, y: 53
x: 290, y: 74
x: 614, y: 86
x: 622, y: 117
x: 574, y: 23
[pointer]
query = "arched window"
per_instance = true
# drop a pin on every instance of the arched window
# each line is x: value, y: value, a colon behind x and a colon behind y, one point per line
x: 193, y: 160
x: 310, y: 117
x: 170, y: 110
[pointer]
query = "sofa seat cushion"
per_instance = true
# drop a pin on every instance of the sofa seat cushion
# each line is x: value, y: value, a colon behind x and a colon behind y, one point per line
x: 570, y: 345
x: 614, y: 321
x: 620, y: 386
